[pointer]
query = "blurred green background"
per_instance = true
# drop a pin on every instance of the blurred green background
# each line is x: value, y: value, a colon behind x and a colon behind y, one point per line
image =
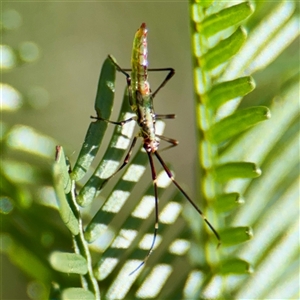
x: 73, y: 40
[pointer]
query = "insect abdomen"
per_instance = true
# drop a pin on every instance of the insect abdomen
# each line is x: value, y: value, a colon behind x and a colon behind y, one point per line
x: 139, y: 62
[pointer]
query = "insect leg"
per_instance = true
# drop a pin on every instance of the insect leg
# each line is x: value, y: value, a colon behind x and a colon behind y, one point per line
x: 121, y: 123
x: 118, y: 67
x: 169, y: 140
x: 187, y: 197
x: 173, y: 142
x: 154, y: 179
x: 169, y: 116
x: 125, y: 162
x: 128, y: 78
x: 168, y: 77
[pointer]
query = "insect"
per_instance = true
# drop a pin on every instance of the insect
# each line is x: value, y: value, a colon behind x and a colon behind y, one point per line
x: 141, y: 102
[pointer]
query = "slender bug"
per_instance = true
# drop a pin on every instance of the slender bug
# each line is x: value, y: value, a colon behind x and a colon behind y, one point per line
x: 141, y: 102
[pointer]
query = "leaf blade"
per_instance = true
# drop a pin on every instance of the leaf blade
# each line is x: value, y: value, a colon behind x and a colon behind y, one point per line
x: 237, y: 123
x: 225, y: 18
x: 223, y: 50
x: 95, y: 133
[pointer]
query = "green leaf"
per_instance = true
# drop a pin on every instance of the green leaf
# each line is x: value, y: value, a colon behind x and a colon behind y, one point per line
x: 62, y: 185
x: 228, y: 202
x: 258, y: 142
x: 77, y: 293
x: 225, y: 18
x: 117, y: 198
x: 232, y: 170
x: 237, y: 123
x: 223, y: 50
x: 204, y: 3
x: 235, y: 235
x: 224, y: 91
x: 68, y: 262
x: 106, y: 90
x: 95, y: 133
x: 110, y: 161
x: 236, y: 266
x: 89, y: 149
x: 61, y: 169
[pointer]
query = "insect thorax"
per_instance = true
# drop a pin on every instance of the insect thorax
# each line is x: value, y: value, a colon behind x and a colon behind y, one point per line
x: 150, y: 145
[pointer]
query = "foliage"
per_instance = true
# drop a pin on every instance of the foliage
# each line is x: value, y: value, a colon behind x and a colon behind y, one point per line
x: 99, y: 243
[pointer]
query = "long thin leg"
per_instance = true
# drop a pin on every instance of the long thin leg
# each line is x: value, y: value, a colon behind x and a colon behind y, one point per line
x: 169, y: 140
x: 173, y: 142
x: 164, y: 138
x: 154, y: 179
x: 128, y: 79
x: 168, y: 77
x: 168, y: 116
x: 125, y: 162
x: 121, y: 123
x: 118, y: 67
x: 187, y: 197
